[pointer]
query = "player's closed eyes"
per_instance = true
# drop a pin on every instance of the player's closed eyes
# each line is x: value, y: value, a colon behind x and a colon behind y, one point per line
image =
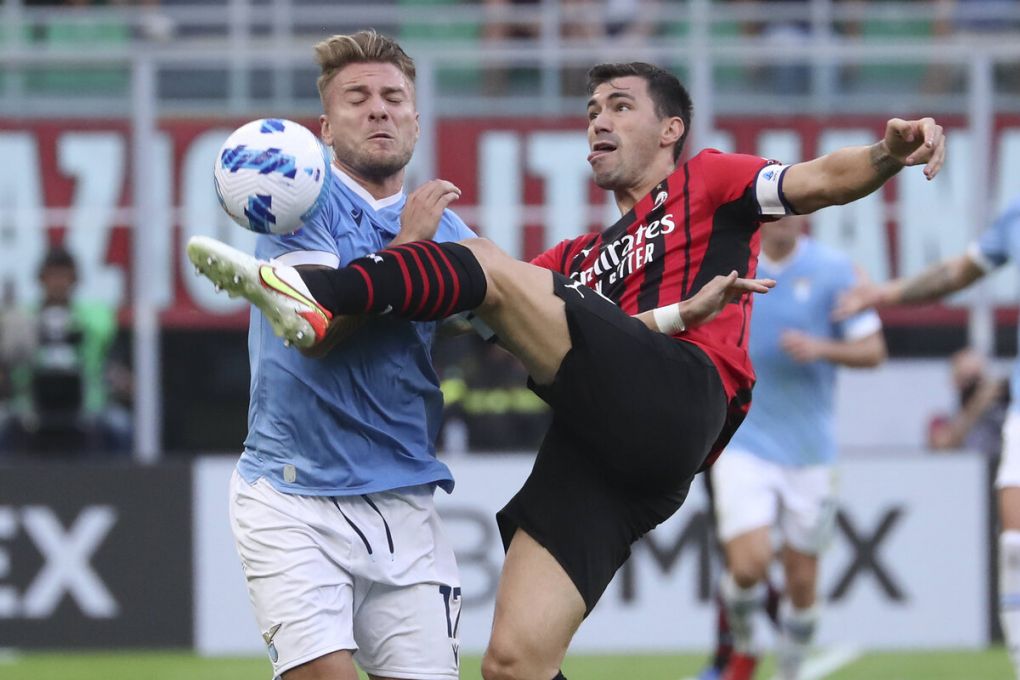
x: 359, y: 99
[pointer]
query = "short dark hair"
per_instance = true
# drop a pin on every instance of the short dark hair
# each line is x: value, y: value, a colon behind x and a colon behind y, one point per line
x: 57, y: 256
x: 670, y: 96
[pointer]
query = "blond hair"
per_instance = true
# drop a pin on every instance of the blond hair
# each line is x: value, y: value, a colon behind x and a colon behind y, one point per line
x: 363, y: 47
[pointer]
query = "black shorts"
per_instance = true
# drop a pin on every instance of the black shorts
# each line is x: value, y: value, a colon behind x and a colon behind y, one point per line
x: 635, y: 415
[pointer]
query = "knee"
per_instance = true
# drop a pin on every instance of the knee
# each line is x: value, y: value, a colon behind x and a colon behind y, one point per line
x: 493, y: 262
x: 800, y: 587
x: 750, y: 569
x: 500, y: 664
x: 495, y: 666
x: 486, y: 252
x: 801, y: 592
x: 509, y: 660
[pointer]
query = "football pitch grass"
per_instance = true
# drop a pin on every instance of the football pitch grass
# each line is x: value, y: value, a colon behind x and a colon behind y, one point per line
x: 940, y: 665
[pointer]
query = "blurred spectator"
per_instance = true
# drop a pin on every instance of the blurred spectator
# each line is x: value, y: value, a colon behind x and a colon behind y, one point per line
x: 499, y: 28
x: 977, y: 20
x: 780, y: 78
x: 610, y: 23
x: 869, y: 23
x: 983, y: 404
x: 456, y: 31
x: 59, y: 371
x: 488, y: 404
x: 16, y: 340
x: 77, y: 29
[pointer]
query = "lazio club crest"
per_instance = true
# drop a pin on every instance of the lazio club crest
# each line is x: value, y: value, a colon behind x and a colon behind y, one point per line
x: 270, y: 647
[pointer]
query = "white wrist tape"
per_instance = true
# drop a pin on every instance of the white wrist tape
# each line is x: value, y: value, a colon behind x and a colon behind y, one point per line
x: 668, y: 319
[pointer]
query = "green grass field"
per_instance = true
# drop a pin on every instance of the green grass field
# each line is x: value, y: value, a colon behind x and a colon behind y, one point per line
x: 985, y: 665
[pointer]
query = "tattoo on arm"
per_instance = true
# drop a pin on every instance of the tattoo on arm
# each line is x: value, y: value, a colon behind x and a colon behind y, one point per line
x: 885, y: 165
x: 931, y: 284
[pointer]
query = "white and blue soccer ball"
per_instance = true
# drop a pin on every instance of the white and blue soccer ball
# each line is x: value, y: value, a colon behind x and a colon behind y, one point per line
x: 271, y: 175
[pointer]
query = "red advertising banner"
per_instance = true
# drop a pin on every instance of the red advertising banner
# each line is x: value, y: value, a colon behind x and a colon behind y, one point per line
x: 525, y: 185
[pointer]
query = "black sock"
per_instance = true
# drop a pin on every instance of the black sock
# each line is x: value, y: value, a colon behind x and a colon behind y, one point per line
x: 423, y: 280
x: 560, y: 676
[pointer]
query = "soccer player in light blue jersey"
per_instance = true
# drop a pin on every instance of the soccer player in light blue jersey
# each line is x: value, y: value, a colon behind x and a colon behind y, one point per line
x: 777, y: 472
x: 331, y: 504
x: 998, y: 245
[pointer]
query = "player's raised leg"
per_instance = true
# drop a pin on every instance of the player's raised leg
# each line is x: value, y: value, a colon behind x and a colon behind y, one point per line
x: 421, y: 280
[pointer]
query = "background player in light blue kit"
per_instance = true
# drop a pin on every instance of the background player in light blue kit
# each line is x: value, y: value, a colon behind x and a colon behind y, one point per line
x: 331, y: 503
x: 777, y: 472
x: 998, y: 245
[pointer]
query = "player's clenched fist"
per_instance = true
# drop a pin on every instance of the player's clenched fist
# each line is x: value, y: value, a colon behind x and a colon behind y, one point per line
x: 913, y: 142
x: 423, y: 209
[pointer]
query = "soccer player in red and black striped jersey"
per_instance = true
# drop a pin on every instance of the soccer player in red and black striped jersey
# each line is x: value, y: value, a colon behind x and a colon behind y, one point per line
x: 636, y: 337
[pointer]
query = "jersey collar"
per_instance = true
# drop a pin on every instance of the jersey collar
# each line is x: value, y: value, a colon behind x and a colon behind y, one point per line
x: 374, y: 203
x: 779, y: 265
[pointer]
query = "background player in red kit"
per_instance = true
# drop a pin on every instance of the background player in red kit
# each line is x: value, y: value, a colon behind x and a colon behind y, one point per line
x: 636, y: 412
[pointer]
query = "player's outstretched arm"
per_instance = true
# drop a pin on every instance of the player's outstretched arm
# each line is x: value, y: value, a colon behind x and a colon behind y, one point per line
x: 864, y: 352
x: 933, y: 283
x: 848, y: 174
x: 704, y: 305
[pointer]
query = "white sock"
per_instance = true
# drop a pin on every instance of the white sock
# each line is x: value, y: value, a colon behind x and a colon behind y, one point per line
x: 742, y: 605
x: 1009, y: 593
x: 797, y: 633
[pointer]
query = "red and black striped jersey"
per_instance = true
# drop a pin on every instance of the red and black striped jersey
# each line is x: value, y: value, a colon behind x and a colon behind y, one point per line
x: 700, y: 222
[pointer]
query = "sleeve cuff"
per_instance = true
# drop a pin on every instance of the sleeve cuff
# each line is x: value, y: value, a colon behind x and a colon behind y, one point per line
x: 980, y: 259
x: 861, y: 326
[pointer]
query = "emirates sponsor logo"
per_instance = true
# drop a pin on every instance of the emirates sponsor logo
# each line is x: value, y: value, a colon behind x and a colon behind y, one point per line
x: 626, y: 255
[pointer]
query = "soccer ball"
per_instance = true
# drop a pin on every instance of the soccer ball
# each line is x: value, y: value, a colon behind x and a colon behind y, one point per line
x: 271, y: 175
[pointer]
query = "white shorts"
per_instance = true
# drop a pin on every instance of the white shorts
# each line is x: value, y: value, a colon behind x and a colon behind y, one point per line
x: 751, y: 493
x: 373, y: 574
x: 1009, y: 464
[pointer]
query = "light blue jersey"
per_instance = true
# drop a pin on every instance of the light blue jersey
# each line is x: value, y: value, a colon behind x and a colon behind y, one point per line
x: 998, y: 245
x: 364, y: 418
x: 791, y: 421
